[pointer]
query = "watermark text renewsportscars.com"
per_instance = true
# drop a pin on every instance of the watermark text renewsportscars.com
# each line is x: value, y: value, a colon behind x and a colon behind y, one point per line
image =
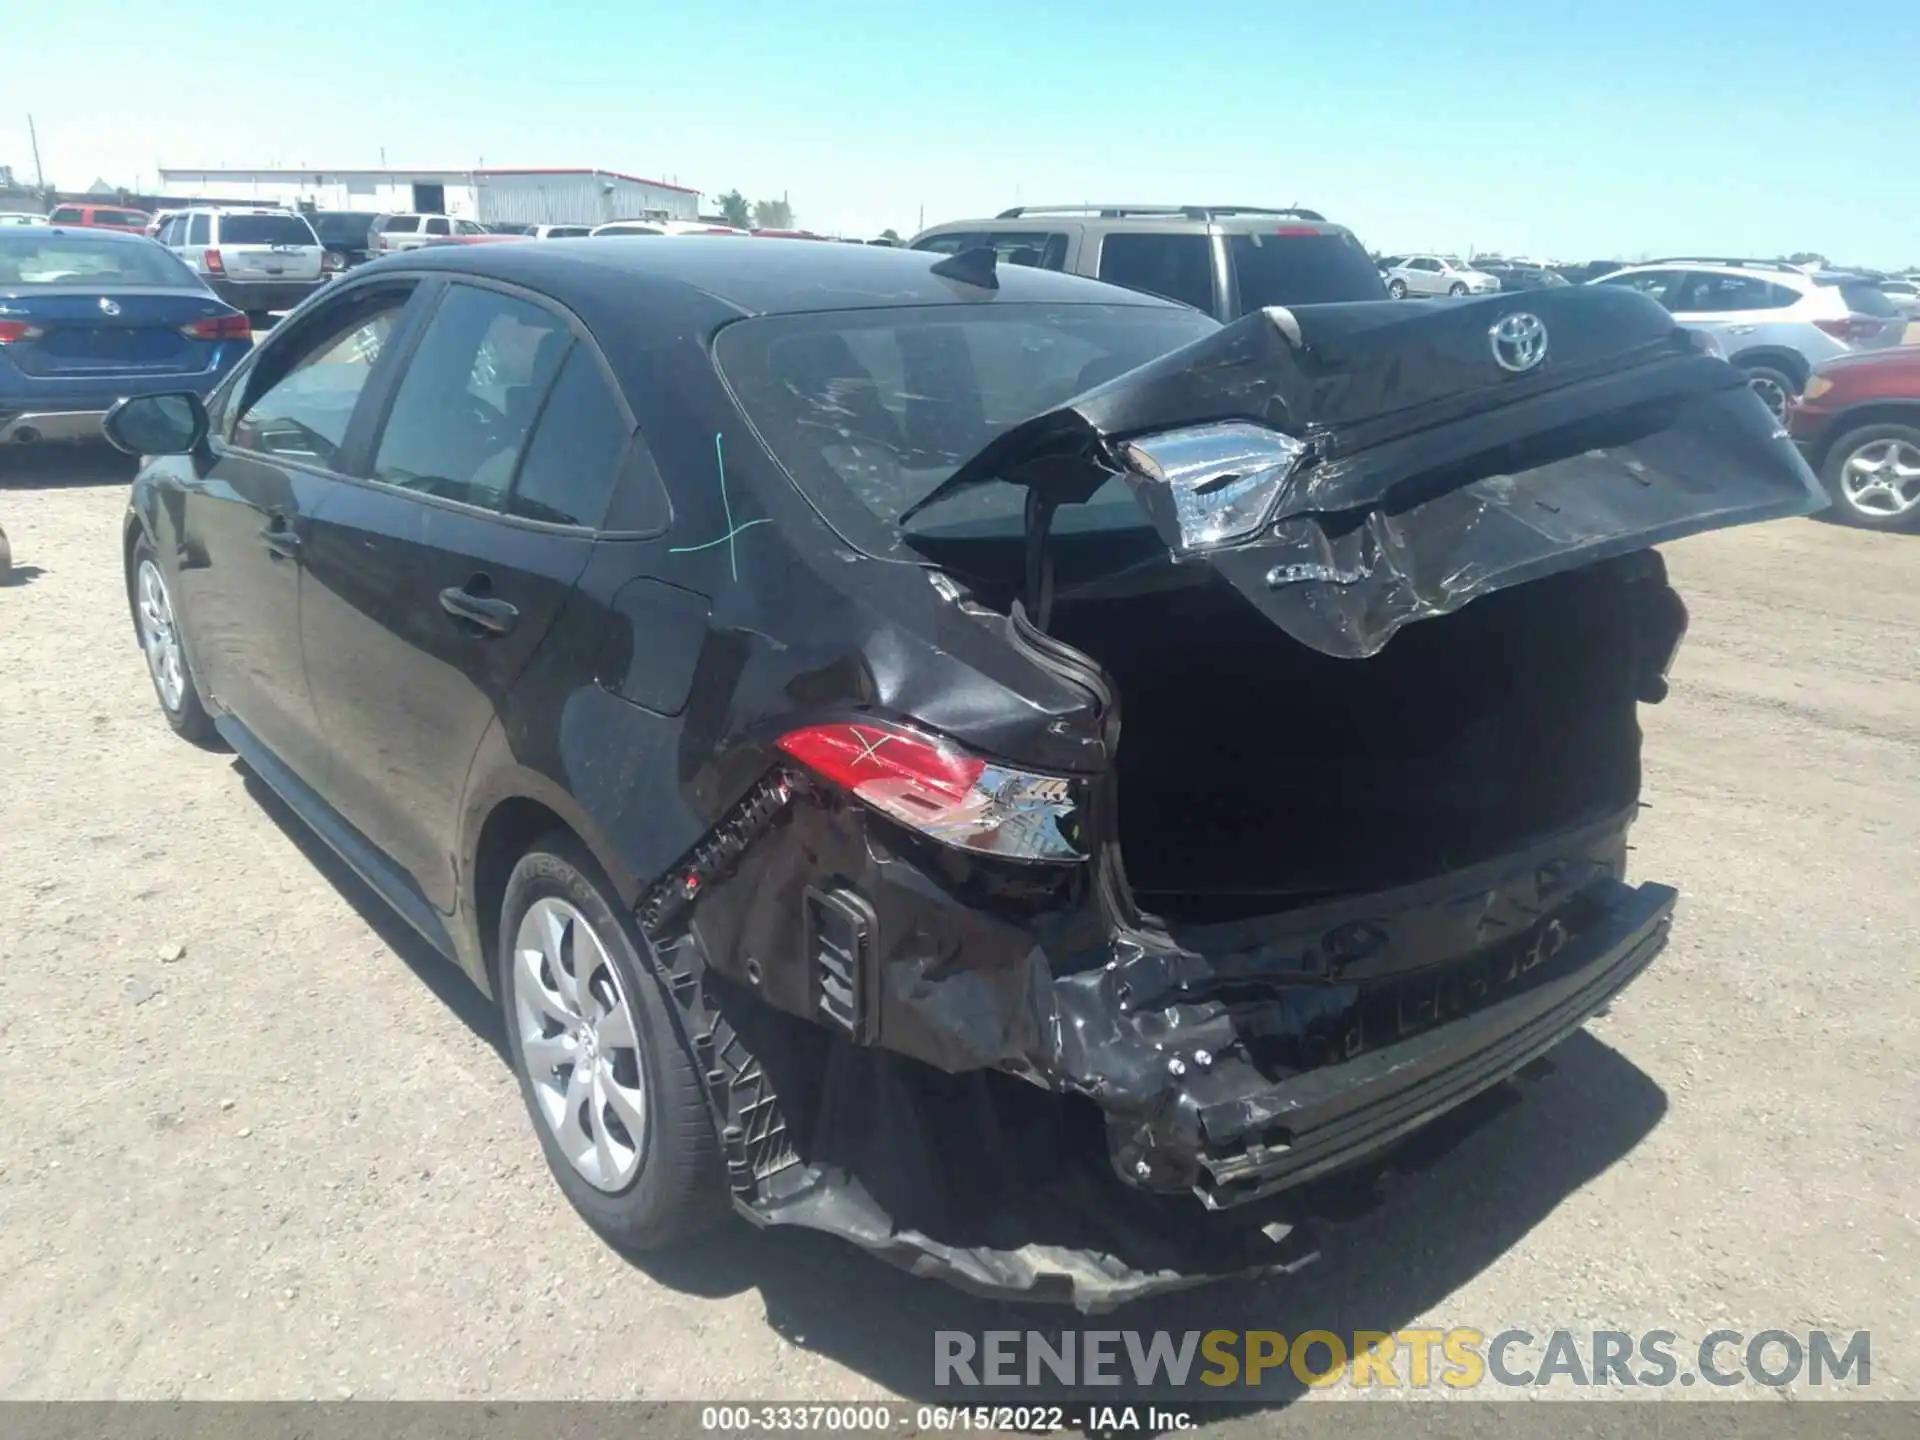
x: 1455, y: 1359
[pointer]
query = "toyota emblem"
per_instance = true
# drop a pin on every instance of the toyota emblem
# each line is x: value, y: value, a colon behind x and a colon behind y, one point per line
x: 107, y: 307
x: 1519, y: 342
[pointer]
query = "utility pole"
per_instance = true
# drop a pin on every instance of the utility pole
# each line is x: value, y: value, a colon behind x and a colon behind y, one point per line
x: 39, y: 175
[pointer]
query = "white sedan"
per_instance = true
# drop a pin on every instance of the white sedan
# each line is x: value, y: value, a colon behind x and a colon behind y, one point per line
x: 1438, y: 275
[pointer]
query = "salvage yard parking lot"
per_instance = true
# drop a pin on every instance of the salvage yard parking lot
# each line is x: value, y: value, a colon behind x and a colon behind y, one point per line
x: 258, y: 1142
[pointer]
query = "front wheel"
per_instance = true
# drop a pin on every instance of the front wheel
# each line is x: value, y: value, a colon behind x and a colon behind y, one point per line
x: 605, y: 1070
x: 1873, y: 475
x: 166, y: 652
x: 1397, y: 289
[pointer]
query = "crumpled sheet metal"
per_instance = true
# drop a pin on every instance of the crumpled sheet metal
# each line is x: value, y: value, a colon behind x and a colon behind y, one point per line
x: 1345, y: 588
x: 831, y: 1200
x: 1426, y: 475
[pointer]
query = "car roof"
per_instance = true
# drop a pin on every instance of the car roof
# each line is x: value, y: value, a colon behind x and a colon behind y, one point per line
x: 1783, y: 275
x: 1190, y: 219
x: 94, y: 232
x: 760, y: 276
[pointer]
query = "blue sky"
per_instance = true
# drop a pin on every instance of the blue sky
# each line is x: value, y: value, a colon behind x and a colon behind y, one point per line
x: 1594, y: 131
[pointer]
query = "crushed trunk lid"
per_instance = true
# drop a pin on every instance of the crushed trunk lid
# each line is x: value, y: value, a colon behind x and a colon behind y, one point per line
x: 1351, y: 468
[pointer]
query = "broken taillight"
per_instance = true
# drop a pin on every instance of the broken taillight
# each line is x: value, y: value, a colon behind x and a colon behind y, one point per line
x: 937, y: 788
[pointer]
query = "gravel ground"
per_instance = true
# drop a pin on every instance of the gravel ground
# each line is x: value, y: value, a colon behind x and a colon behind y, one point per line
x: 258, y: 1142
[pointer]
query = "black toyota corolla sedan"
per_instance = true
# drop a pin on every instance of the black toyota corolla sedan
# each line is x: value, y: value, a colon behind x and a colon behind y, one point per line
x: 996, y: 767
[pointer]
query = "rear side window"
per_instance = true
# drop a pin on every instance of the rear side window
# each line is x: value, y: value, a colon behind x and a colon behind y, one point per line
x: 1177, y: 267
x: 264, y: 230
x: 400, y: 225
x: 1865, y: 299
x: 568, y: 232
x: 197, y: 230
x: 471, y: 392
x: 568, y: 471
x: 1302, y: 270
x: 67, y: 215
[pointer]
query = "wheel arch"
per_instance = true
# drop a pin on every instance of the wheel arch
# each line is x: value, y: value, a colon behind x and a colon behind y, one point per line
x: 1789, y: 362
x: 503, y: 817
x: 1843, y: 423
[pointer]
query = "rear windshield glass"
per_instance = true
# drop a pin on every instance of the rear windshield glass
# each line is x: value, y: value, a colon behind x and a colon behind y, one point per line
x: 874, y: 408
x: 264, y: 230
x: 1302, y: 270
x: 1865, y: 299
x: 27, y: 258
x: 342, y: 225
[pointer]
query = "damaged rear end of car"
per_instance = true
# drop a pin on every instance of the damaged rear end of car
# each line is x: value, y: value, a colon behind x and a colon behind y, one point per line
x: 1307, y: 822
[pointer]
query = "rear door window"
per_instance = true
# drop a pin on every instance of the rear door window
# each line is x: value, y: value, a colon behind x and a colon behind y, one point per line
x: 471, y: 393
x: 1175, y: 267
x: 300, y: 408
x: 400, y: 225
x: 197, y: 230
x: 1038, y: 249
x: 568, y: 471
x: 1312, y: 269
x: 437, y: 225
x: 1707, y: 293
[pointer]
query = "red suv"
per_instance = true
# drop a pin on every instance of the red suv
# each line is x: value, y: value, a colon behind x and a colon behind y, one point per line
x: 101, y: 217
x: 1858, y: 424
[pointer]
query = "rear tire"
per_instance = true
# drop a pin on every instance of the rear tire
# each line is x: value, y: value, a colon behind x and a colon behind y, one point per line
x: 158, y: 627
x: 1456, y: 289
x: 1865, y: 472
x: 632, y: 1145
x: 1397, y: 289
x: 1772, y: 385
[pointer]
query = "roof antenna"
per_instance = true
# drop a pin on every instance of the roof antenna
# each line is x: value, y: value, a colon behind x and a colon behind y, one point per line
x: 972, y: 267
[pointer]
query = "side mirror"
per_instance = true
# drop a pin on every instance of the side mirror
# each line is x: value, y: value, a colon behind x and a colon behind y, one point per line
x: 157, y: 424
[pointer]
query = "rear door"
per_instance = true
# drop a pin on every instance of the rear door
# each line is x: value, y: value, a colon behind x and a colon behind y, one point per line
x: 246, y: 520
x: 267, y: 247
x: 432, y: 579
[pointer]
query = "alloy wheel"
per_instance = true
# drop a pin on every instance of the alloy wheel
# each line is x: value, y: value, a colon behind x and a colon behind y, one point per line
x: 1882, y: 478
x: 158, y: 637
x: 1773, y: 392
x: 580, y: 1043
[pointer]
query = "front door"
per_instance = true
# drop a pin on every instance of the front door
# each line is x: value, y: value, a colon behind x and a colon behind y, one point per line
x: 431, y: 581
x: 247, y: 518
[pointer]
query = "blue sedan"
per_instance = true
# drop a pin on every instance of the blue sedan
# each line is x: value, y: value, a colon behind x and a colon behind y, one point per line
x: 90, y: 316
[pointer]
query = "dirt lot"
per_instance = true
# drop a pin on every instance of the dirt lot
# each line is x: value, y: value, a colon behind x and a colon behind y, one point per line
x: 291, y: 1161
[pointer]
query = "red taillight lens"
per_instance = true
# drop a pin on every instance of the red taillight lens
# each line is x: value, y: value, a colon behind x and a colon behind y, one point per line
x: 13, y: 332
x: 1852, y: 328
x: 219, y: 327
x: 215, y: 265
x: 935, y: 787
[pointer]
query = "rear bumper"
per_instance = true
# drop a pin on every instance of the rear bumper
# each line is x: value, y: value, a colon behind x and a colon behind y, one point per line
x: 31, y: 426
x: 254, y: 296
x: 1327, y: 1119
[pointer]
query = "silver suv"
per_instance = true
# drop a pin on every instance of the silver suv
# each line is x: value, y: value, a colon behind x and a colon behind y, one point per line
x: 1771, y: 320
x: 1223, y: 259
x: 259, y: 261
x: 410, y: 232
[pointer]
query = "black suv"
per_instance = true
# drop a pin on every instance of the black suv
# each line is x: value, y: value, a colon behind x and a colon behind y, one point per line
x: 992, y: 765
x: 1226, y: 260
x: 346, y: 234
